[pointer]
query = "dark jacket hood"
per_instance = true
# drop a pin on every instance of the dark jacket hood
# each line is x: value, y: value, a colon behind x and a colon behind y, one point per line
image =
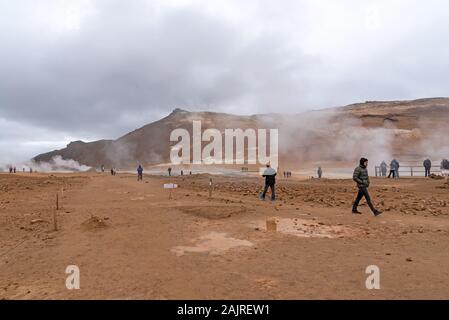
x: 362, y: 162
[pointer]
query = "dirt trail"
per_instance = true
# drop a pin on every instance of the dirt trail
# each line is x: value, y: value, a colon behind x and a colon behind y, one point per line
x: 141, y: 245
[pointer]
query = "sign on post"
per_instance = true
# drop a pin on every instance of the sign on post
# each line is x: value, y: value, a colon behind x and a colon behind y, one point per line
x: 170, y: 187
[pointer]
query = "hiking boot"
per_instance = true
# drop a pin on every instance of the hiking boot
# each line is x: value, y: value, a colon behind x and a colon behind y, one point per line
x: 377, y: 213
x: 356, y: 212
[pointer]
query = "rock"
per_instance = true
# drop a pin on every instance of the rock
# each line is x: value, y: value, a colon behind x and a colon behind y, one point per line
x: 409, y: 259
x: 272, y: 224
x: 34, y: 221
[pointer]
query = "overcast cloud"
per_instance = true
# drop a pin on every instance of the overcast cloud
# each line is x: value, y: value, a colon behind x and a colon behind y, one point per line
x: 96, y: 69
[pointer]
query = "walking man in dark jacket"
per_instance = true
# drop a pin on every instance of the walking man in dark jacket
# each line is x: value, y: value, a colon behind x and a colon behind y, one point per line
x: 270, y: 180
x: 361, y: 177
x: 427, y: 166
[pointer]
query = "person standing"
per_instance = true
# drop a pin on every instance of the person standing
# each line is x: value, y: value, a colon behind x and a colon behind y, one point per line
x: 383, y: 169
x: 319, y: 172
x: 361, y: 177
x: 169, y: 172
x: 427, y: 166
x: 396, y: 167
x: 270, y: 181
x: 445, y: 168
x: 139, y: 173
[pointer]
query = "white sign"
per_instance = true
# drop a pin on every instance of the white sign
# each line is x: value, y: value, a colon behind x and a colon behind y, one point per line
x: 170, y: 186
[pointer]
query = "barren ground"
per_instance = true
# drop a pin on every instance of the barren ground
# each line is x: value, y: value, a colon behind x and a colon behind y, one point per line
x: 141, y: 245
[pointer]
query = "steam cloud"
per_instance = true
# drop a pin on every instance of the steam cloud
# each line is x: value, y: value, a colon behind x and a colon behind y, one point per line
x: 56, y: 164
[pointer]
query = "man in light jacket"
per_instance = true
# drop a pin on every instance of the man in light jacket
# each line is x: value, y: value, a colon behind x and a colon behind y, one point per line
x: 270, y: 181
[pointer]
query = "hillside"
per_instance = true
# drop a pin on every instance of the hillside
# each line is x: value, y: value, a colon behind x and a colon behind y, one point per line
x: 376, y: 129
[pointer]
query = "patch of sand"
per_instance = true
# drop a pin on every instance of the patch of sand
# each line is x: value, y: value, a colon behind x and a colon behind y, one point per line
x: 307, y: 229
x: 212, y: 243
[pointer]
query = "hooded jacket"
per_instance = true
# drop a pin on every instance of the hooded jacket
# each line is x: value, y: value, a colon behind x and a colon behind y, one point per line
x: 360, y: 175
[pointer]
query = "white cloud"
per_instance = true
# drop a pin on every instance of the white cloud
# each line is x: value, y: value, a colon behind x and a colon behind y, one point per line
x: 99, y: 68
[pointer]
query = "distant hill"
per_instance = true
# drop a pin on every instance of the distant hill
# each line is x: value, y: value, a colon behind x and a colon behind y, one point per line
x: 375, y: 128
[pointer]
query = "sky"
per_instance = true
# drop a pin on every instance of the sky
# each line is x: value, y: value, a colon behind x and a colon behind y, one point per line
x: 93, y: 69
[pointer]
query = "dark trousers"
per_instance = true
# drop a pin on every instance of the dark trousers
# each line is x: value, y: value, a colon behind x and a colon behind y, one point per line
x: 139, y: 176
x: 363, y: 192
x: 392, y: 172
x: 427, y: 172
x: 273, y: 194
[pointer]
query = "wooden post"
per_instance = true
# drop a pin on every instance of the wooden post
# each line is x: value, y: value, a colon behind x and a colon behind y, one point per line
x: 411, y: 171
x: 210, y: 188
x: 55, y: 222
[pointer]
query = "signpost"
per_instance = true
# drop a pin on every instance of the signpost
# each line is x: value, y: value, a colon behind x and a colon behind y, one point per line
x: 170, y: 187
x: 55, y: 223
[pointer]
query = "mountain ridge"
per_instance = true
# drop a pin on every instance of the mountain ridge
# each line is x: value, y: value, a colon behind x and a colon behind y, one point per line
x: 150, y: 143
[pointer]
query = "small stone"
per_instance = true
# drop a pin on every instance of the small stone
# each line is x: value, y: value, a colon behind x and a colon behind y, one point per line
x: 34, y: 221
